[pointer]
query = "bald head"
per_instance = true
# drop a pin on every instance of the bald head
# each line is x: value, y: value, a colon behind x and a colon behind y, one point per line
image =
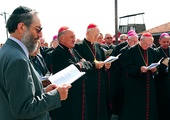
x: 67, y: 38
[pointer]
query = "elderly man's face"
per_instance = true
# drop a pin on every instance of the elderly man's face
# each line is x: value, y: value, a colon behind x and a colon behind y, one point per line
x: 93, y: 35
x: 68, y: 39
x: 108, y: 39
x: 133, y: 40
x: 164, y: 42
x: 146, y: 43
x: 31, y: 36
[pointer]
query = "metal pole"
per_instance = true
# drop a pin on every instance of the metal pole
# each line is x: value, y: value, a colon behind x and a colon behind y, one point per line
x: 4, y: 14
x: 116, y: 23
x: 5, y: 24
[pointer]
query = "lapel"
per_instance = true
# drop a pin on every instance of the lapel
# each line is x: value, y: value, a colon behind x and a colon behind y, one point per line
x: 87, y: 51
x: 14, y: 44
x: 67, y: 53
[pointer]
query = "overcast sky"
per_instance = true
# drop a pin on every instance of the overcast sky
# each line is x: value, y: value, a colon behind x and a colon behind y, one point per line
x: 77, y: 14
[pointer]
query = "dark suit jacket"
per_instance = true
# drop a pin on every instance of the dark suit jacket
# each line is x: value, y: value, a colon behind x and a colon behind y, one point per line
x: 72, y: 108
x: 39, y: 64
x: 21, y: 91
x: 119, y: 47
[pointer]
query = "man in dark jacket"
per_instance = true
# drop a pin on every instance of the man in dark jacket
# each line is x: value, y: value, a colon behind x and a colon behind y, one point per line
x: 63, y: 56
x: 95, y: 84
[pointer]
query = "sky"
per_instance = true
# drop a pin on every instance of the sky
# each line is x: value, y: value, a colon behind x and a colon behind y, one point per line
x: 78, y: 14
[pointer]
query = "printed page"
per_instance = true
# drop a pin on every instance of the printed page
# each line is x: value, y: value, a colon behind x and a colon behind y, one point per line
x: 66, y: 76
x: 153, y: 65
x: 111, y: 58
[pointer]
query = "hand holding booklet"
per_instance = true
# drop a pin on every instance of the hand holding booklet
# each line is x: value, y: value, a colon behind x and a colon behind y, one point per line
x: 112, y: 58
x: 153, y: 65
x: 66, y: 76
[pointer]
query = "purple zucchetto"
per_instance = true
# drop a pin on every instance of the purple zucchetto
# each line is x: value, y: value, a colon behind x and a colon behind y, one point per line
x: 164, y: 35
x: 55, y: 37
x: 131, y: 33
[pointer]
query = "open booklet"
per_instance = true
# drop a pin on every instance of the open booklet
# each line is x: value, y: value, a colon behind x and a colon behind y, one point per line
x: 66, y: 76
x: 153, y: 65
x: 107, y: 52
x: 166, y: 61
x: 112, y: 58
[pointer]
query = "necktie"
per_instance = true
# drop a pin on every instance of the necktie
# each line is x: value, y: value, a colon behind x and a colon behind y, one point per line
x: 37, y: 65
x: 71, y: 52
x: 93, y: 49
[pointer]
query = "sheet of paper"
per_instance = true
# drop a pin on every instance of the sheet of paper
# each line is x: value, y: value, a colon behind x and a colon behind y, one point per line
x: 66, y: 76
x: 153, y: 65
x: 111, y: 58
x: 166, y: 61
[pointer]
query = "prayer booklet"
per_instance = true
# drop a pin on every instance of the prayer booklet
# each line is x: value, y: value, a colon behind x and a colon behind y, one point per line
x: 153, y: 65
x: 66, y: 76
x: 107, y: 52
x: 166, y: 61
x: 112, y: 58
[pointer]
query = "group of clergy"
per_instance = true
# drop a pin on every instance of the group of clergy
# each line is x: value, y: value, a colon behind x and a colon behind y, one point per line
x: 125, y: 89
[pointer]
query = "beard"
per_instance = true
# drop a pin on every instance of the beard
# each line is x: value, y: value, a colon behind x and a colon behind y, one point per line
x: 29, y: 41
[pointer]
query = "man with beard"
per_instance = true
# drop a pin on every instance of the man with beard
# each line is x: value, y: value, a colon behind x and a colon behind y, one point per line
x: 21, y: 91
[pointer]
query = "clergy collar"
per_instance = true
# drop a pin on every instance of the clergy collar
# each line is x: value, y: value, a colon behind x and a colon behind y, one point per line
x: 165, y: 49
x: 88, y: 42
x: 63, y: 46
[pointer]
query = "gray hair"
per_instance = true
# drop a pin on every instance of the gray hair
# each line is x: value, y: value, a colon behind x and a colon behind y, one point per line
x: 122, y: 35
x: 15, y: 19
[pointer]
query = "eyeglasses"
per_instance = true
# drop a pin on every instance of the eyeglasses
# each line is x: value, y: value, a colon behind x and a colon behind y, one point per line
x: 39, y: 29
x: 109, y: 38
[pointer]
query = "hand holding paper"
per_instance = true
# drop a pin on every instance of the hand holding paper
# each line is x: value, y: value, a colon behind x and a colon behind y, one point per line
x: 99, y: 64
x: 63, y: 91
x: 112, y: 58
x: 66, y: 76
x: 107, y: 65
x: 153, y: 65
